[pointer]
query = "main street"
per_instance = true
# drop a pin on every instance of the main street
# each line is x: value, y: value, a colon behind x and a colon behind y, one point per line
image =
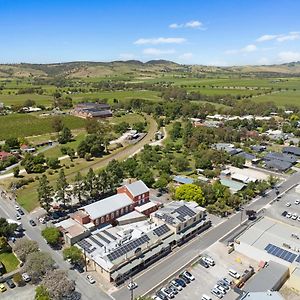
x: 163, y: 269
x: 87, y: 290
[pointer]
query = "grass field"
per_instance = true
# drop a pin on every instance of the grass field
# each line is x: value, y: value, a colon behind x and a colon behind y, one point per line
x: 20, y: 99
x: 23, y: 125
x: 282, y: 98
x: 10, y: 261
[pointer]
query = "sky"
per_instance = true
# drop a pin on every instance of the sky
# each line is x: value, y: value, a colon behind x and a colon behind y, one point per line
x: 214, y: 32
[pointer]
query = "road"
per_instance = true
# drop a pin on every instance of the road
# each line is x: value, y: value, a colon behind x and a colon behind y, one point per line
x: 163, y: 269
x: 88, y: 291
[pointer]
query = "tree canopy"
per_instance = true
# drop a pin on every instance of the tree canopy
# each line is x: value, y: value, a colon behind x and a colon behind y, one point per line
x: 190, y: 192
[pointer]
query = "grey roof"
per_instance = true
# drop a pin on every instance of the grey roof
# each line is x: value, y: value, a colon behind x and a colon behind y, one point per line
x: 291, y: 150
x: 269, y: 278
x: 106, y: 206
x: 137, y: 188
x: 247, y: 156
x: 258, y: 148
x: 279, y: 165
x: 280, y: 156
x: 262, y: 296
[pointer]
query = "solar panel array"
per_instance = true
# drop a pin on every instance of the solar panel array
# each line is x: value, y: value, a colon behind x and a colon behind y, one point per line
x: 159, y: 231
x: 86, y: 246
x: 298, y: 259
x: 103, y: 238
x: 281, y: 253
x: 185, y: 211
x: 128, y: 247
x: 93, y: 239
x: 110, y: 235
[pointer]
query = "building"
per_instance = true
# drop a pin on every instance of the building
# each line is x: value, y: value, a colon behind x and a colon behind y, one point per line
x: 92, y: 110
x: 281, y: 156
x: 291, y: 150
x: 147, y: 208
x: 259, y: 148
x: 294, y: 280
x: 137, y: 191
x: 261, y: 296
x: 269, y: 278
x: 183, y: 180
x: 278, y: 165
x: 234, y: 186
x: 246, y: 156
x: 119, y: 252
x: 4, y: 155
x: 27, y: 149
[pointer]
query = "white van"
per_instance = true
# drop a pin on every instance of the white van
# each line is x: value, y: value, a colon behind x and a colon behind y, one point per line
x: 209, y: 260
x: 234, y: 274
x: 205, y: 297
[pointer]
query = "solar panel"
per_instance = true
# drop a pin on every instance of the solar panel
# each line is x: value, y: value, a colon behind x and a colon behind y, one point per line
x: 298, y: 259
x: 185, y: 211
x: 96, y: 241
x: 128, y: 247
x: 109, y: 234
x: 161, y: 230
x: 103, y: 238
x: 281, y: 253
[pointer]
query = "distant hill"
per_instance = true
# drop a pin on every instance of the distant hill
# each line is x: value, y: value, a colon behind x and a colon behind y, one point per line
x: 136, y: 69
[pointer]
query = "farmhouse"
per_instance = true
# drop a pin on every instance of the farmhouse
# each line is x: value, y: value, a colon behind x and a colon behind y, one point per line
x: 92, y: 110
x: 4, y: 155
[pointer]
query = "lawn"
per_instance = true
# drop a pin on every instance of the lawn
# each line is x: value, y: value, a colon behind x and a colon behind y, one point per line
x: 282, y: 98
x: 20, y: 99
x: 10, y: 261
x: 24, y: 125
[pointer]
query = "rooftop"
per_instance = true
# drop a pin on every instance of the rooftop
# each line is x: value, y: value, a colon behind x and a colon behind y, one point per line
x: 183, y: 180
x: 107, y: 205
x: 281, y: 156
x: 145, y: 206
x: 262, y: 296
x: 233, y: 185
x: 137, y: 188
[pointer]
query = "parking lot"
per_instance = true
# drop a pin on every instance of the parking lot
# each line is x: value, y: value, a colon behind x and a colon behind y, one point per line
x: 286, y: 203
x: 206, y: 278
x: 25, y: 293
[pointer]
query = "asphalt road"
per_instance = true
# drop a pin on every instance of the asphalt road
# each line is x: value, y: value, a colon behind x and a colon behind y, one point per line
x: 87, y: 291
x: 163, y: 269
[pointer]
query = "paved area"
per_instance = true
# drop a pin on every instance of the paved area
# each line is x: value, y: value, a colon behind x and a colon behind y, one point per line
x: 26, y: 292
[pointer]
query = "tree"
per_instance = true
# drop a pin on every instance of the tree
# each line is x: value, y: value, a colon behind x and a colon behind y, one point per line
x: 16, y: 171
x: 18, y: 279
x: 45, y: 193
x: 181, y: 163
x: 58, y: 284
x: 61, y: 186
x: 4, y: 246
x: 272, y: 180
x: 57, y: 124
x: 41, y: 293
x: 78, y: 187
x: 51, y: 235
x: 190, y: 192
x: 139, y: 126
x: 65, y: 136
x: 12, y: 143
x: 92, y: 126
x: 53, y: 163
x: 23, y: 247
x: 37, y: 264
x: 74, y: 254
x: 7, y: 229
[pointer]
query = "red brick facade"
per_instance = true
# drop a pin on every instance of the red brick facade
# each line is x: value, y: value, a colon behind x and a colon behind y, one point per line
x: 138, y: 200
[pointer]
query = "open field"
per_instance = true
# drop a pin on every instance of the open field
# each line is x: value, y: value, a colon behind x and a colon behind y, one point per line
x: 10, y: 261
x: 20, y: 99
x: 282, y: 98
x: 23, y: 125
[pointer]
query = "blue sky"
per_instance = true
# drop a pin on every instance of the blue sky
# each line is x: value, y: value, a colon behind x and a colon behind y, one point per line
x: 215, y: 32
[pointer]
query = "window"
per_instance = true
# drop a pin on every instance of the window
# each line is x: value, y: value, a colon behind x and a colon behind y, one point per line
x: 97, y: 221
x: 107, y: 217
x: 117, y: 213
x: 122, y: 211
x: 126, y: 209
x: 102, y: 219
x: 112, y: 215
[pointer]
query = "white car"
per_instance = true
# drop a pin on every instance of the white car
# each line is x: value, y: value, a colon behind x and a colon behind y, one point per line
x: 208, y: 260
x: 288, y: 204
x: 298, y: 218
x: 90, y: 279
x: 188, y: 275
x: 132, y: 286
x: 18, y: 217
x: 294, y: 217
x: 297, y: 202
x: 167, y: 293
x: 234, y: 274
x: 288, y: 215
x: 176, y: 285
x: 17, y: 207
x: 26, y: 277
x: 220, y: 288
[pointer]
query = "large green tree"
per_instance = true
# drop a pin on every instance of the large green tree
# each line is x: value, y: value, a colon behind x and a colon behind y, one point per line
x: 51, y: 235
x: 190, y: 192
x: 61, y: 186
x: 73, y: 253
x: 45, y: 193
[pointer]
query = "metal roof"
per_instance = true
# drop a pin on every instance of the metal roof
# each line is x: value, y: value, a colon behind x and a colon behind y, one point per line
x: 233, y: 185
x: 106, y: 206
x: 278, y: 164
x: 281, y: 156
x: 184, y: 180
x: 268, y: 278
x: 137, y: 188
x: 291, y: 150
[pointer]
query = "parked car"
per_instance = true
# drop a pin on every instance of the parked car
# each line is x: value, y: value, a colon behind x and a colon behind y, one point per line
x: 168, y: 293
x: 180, y: 282
x: 297, y: 202
x: 26, y: 277
x: 203, y: 263
x: 220, y: 288
x: 288, y: 204
x: 294, y: 217
x: 298, y: 218
x: 161, y: 295
x: 288, y: 215
x: 18, y: 217
x: 79, y: 268
x: 10, y: 283
x: 132, y: 286
x: 184, y: 278
x: 223, y: 284
x: 176, y: 285
x: 32, y: 223
x: 2, y: 288
x: 17, y: 207
x: 234, y: 274
x: 21, y: 212
x: 284, y: 213
x: 188, y: 275
x: 209, y: 260
x: 216, y: 293
x: 228, y: 282
x: 90, y: 279
x: 205, y: 297
x: 172, y: 289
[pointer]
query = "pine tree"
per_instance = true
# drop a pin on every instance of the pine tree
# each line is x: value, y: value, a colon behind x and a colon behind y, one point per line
x: 78, y: 191
x: 45, y: 193
x: 61, y: 186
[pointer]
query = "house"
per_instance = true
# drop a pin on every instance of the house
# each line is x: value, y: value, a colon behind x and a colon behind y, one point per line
x: 280, y: 156
x: 258, y: 148
x: 291, y: 150
x: 182, y: 180
x: 27, y: 148
x: 247, y: 156
x: 92, y: 110
x: 278, y: 165
x: 4, y: 155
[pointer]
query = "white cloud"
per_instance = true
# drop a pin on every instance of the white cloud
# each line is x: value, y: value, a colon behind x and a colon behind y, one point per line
x: 291, y: 36
x: 267, y: 37
x: 289, y: 56
x: 160, y: 40
x: 263, y: 61
x: 195, y: 24
x: 126, y: 56
x: 158, y: 52
x: 246, y: 49
x: 185, y: 56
